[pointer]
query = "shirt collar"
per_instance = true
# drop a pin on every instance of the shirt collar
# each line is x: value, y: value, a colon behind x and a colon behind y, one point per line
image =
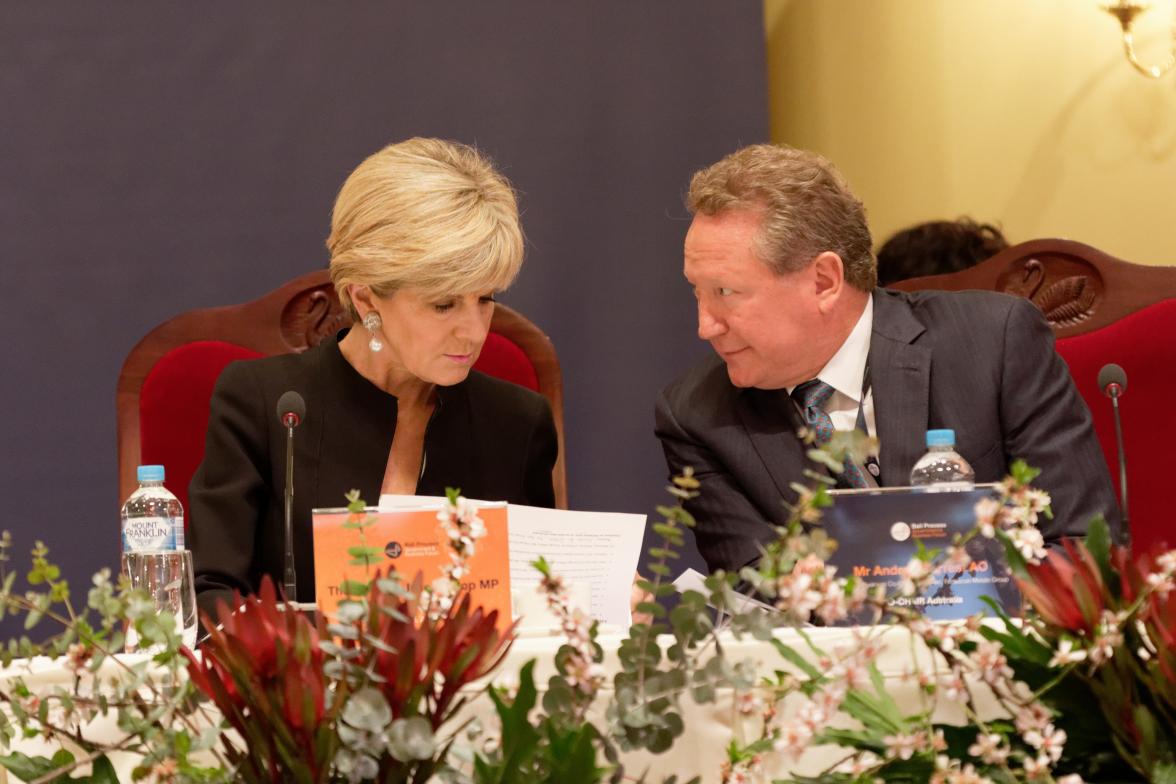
x: 846, y: 371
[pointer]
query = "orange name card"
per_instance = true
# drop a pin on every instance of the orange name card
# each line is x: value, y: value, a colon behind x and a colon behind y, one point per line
x: 412, y: 540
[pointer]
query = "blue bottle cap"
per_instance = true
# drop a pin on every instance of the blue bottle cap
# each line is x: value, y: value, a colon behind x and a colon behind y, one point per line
x: 150, y: 473
x: 941, y: 437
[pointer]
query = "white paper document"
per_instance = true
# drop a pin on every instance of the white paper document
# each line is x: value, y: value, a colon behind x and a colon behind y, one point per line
x: 390, y: 501
x: 692, y: 580
x: 600, y: 549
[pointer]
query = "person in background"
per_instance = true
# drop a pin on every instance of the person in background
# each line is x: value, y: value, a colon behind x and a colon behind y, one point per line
x: 779, y: 257
x: 936, y: 248
x: 423, y: 234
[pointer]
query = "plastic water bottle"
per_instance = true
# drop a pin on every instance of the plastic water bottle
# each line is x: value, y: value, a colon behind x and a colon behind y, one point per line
x: 152, y: 518
x: 942, y: 468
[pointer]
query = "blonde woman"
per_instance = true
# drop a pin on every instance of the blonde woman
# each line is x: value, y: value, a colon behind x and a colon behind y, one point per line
x: 423, y: 234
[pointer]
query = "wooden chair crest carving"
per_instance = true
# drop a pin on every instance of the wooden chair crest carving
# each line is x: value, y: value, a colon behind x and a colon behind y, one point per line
x: 1077, y: 287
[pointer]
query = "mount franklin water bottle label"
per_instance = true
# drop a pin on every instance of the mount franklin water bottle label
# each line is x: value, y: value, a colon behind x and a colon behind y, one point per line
x: 152, y: 533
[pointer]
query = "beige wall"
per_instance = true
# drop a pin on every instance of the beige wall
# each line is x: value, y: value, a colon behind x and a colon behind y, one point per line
x: 1023, y: 112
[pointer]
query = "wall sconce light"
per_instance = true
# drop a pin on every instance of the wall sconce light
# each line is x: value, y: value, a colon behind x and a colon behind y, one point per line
x: 1126, y: 11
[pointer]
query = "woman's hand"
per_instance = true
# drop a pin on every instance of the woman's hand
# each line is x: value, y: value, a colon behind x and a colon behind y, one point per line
x: 638, y: 595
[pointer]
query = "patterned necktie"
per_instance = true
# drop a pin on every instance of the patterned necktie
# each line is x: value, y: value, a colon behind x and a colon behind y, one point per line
x: 812, y: 397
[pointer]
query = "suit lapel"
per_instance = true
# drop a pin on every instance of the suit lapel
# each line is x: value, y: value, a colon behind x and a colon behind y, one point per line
x: 771, y: 422
x: 450, y: 441
x: 900, y: 375
x: 357, y: 421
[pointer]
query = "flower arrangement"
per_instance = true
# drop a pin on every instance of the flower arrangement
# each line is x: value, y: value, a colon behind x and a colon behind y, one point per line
x: 1082, y: 688
x: 1103, y: 633
x: 1096, y: 633
x: 363, y: 698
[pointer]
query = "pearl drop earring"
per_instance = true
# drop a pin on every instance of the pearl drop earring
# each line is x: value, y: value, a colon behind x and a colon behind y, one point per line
x: 373, y: 323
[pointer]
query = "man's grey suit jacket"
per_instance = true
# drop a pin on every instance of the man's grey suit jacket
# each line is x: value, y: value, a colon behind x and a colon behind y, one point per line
x: 980, y: 363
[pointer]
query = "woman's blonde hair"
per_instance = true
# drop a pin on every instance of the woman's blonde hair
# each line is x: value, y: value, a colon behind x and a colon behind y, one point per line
x: 428, y: 214
x: 806, y: 204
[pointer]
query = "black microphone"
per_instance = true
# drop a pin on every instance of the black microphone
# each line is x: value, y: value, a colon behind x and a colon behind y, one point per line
x: 291, y: 410
x: 1112, y: 380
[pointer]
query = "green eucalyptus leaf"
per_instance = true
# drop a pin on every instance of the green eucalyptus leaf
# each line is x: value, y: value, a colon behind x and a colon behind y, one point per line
x: 353, y: 588
x: 664, y: 590
x: 703, y: 693
x: 411, y: 739
x: 665, y: 530
x: 651, y: 608
x: 343, y: 631
x: 349, y: 612
x: 32, y: 619
x: 367, y: 709
x: 1022, y: 472
x: 391, y: 585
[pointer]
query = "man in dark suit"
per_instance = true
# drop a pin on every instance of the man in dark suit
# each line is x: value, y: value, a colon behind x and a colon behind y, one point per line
x: 779, y: 255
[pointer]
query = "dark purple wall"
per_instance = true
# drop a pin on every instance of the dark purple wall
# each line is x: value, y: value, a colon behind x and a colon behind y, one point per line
x: 156, y: 158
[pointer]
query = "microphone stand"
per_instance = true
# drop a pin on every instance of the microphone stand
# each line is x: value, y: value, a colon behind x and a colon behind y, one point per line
x: 290, y: 581
x: 1114, y: 391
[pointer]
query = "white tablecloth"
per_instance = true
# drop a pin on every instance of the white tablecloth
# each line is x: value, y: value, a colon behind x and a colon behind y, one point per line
x: 709, y: 728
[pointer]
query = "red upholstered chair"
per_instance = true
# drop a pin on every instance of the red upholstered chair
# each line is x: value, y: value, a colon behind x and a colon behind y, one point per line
x: 166, y: 382
x: 1103, y: 309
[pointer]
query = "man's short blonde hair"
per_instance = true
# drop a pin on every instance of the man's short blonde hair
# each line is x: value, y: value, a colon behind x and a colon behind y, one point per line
x: 806, y: 204
x: 427, y: 214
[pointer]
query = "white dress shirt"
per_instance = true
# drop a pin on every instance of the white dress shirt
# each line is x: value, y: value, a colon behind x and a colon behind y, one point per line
x: 845, y: 373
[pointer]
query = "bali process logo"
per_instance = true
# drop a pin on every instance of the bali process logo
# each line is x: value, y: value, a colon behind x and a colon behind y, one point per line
x: 900, y: 532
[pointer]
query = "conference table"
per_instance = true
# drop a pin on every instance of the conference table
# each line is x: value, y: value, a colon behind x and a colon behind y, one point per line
x: 709, y: 728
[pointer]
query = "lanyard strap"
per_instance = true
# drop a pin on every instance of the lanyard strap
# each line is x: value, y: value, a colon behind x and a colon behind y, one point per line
x: 871, y: 462
x: 861, y: 413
